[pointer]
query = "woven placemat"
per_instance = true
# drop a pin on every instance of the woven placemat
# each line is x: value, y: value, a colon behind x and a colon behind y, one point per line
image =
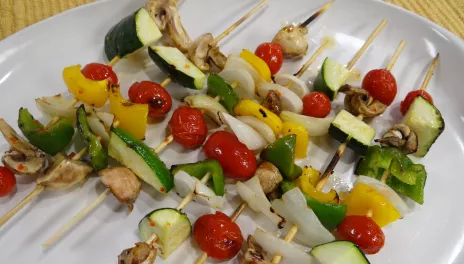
x: 18, y: 14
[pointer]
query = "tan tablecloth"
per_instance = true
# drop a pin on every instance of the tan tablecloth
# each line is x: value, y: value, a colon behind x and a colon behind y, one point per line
x: 17, y: 14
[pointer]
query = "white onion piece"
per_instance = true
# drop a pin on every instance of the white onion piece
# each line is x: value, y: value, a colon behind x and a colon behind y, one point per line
x: 56, y: 106
x: 206, y: 196
x: 262, y: 128
x: 297, y: 86
x: 209, y: 105
x: 245, y: 134
x: 386, y: 192
x: 235, y: 62
x: 97, y: 127
x: 184, y: 183
x: 106, y: 118
x: 290, y: 101
x: 253, y: 194
x: 290, y: 253
x: 245, y: 85
x: 316, y: 127
x: 293, y: 208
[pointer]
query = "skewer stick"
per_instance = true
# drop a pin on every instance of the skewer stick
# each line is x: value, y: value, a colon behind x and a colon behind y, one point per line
x: 288, y: 238
x: 317, y: 14
x: 38, y: 189
x: 311, y: 59
x: 430, y: 72
x: 396, y: 55
x: 114, y: 61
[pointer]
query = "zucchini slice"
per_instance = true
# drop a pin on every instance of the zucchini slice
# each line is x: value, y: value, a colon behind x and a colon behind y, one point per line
x: 134, y: 32
x: 174, y: 64
x: 346, y: 127
x: 339, y: 252
x: 330, y: 78
x: 171, y: 226
x: 142, y: 160
x: 426, y: 120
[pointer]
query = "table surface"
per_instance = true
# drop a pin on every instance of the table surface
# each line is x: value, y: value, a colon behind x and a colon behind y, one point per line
x: 18, y: 14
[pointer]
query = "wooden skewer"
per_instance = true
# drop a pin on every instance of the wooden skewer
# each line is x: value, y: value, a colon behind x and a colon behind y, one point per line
x: 311, y: 60
x: 114, y: 61
x: 38, y: 189
x: 317, y: 14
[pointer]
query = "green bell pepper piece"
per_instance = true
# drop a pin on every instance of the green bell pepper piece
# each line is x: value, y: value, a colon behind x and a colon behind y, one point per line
x: 330, y: 215
x: 199, y: 169
x: 98, y: 154
x: 52, y: 139
x: 217, y: 86
x: 281, y: 153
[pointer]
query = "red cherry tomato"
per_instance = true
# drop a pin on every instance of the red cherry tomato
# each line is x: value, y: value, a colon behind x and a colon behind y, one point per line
x: 410, y: 98
x: 7, y: 181
x: 235, y: 158
x: 272, y: 54
x: 218, y: 236
x: 316, y: 104
x: 381, y: 84
x: 153, y: 94
x: 188, y: 127
x: 99, y: 72
x: 362, y: 231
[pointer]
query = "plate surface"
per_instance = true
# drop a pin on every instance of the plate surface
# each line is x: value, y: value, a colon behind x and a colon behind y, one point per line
x: 32, y: 60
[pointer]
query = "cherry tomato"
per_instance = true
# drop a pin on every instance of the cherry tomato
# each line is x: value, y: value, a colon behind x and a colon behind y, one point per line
x: 362, y: 231
x: 218, y: 236
x: 316, y: 104
x: 410, y: 98
x: 7, y: 181
x: 235, y: 158
x: 188, y: 127
x: 381, y: 84
x: 272, y: 54
x: 98, y: 72
x: 153, y: 94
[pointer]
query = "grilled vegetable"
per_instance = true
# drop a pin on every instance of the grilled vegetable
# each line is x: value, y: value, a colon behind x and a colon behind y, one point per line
x: 174, y: 63
x: 64, y: 173
x: 302, y: 138
x: 296, y: 85
x: 244, y: 84
x: 217, y: 86
x: 250, y: 108
x: 142, y: 160
x: 316, y: 127
x: 171, y: 227
x: 293, y: 41
x: 362, y: 231
x: 208, y: 105
x: 262, y: 128
x: 402, y: 137
x: 347, y: 127
x: 245, y: 134
x: 123, y: 183
x: 281, y: 153
x: 56, y: 105
x: 134, y: 32
x: 306, y: 185
x: 330, y: 78
x: 339, y: 252
x: 257, y: 63
x: 187, y: 184
x: 91, y: 92
x: 51, y: 139
x: 290, y: 101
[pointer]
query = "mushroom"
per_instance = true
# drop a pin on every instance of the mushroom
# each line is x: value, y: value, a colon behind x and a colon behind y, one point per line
x: 359, y: 101
x: 157, y: 11
x: 293, y: 41
x: 255, y: 254
x: 23, y: 158
x: 217, y: 58
x: 199, y: 50
x: 402, y: 137
x: 64, y: 173
x: 269, y: 176
x: 142, y: 253
x: 123, y: 184
x: 272, y: 102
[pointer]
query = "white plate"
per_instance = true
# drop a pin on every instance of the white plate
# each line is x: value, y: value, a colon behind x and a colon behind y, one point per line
x: 31, y: 62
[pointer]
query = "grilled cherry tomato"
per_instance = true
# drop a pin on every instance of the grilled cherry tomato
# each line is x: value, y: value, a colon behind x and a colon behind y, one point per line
x: 272, y: 54
x: 98, y: 72
x: 316, y: 104
x: 188, y: 127
x: 235, y: 158
x: 153, y: 94
x: 410, y: 98
x: 7, y: 181
x: 381, y: 84
x: 218, y: 236
x: 362, y: 231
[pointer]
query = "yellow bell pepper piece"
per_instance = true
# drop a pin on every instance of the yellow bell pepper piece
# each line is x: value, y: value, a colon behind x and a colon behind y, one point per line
x: 302, y: 137
x: 313, y: 174
x: 305, y: 185
x: 132, y: 117
x: 364, y: 198
x: 88, y: 91
x: 248, y: 107
x: 257, y: 63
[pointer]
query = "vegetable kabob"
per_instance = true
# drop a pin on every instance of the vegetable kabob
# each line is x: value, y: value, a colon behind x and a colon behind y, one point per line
x: 164, y: 186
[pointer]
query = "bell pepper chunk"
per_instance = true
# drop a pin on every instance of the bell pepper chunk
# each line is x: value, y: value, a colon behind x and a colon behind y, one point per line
x: 91, y: 92
x: 364, y: 199
x: 281, y: 153
x: 52, y: 139
x: 199, y: 170
x: 302, y: 138
x: 304, y: 182
x: 257, y: 63
x: 217, y: 86
x: 132, y: 117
